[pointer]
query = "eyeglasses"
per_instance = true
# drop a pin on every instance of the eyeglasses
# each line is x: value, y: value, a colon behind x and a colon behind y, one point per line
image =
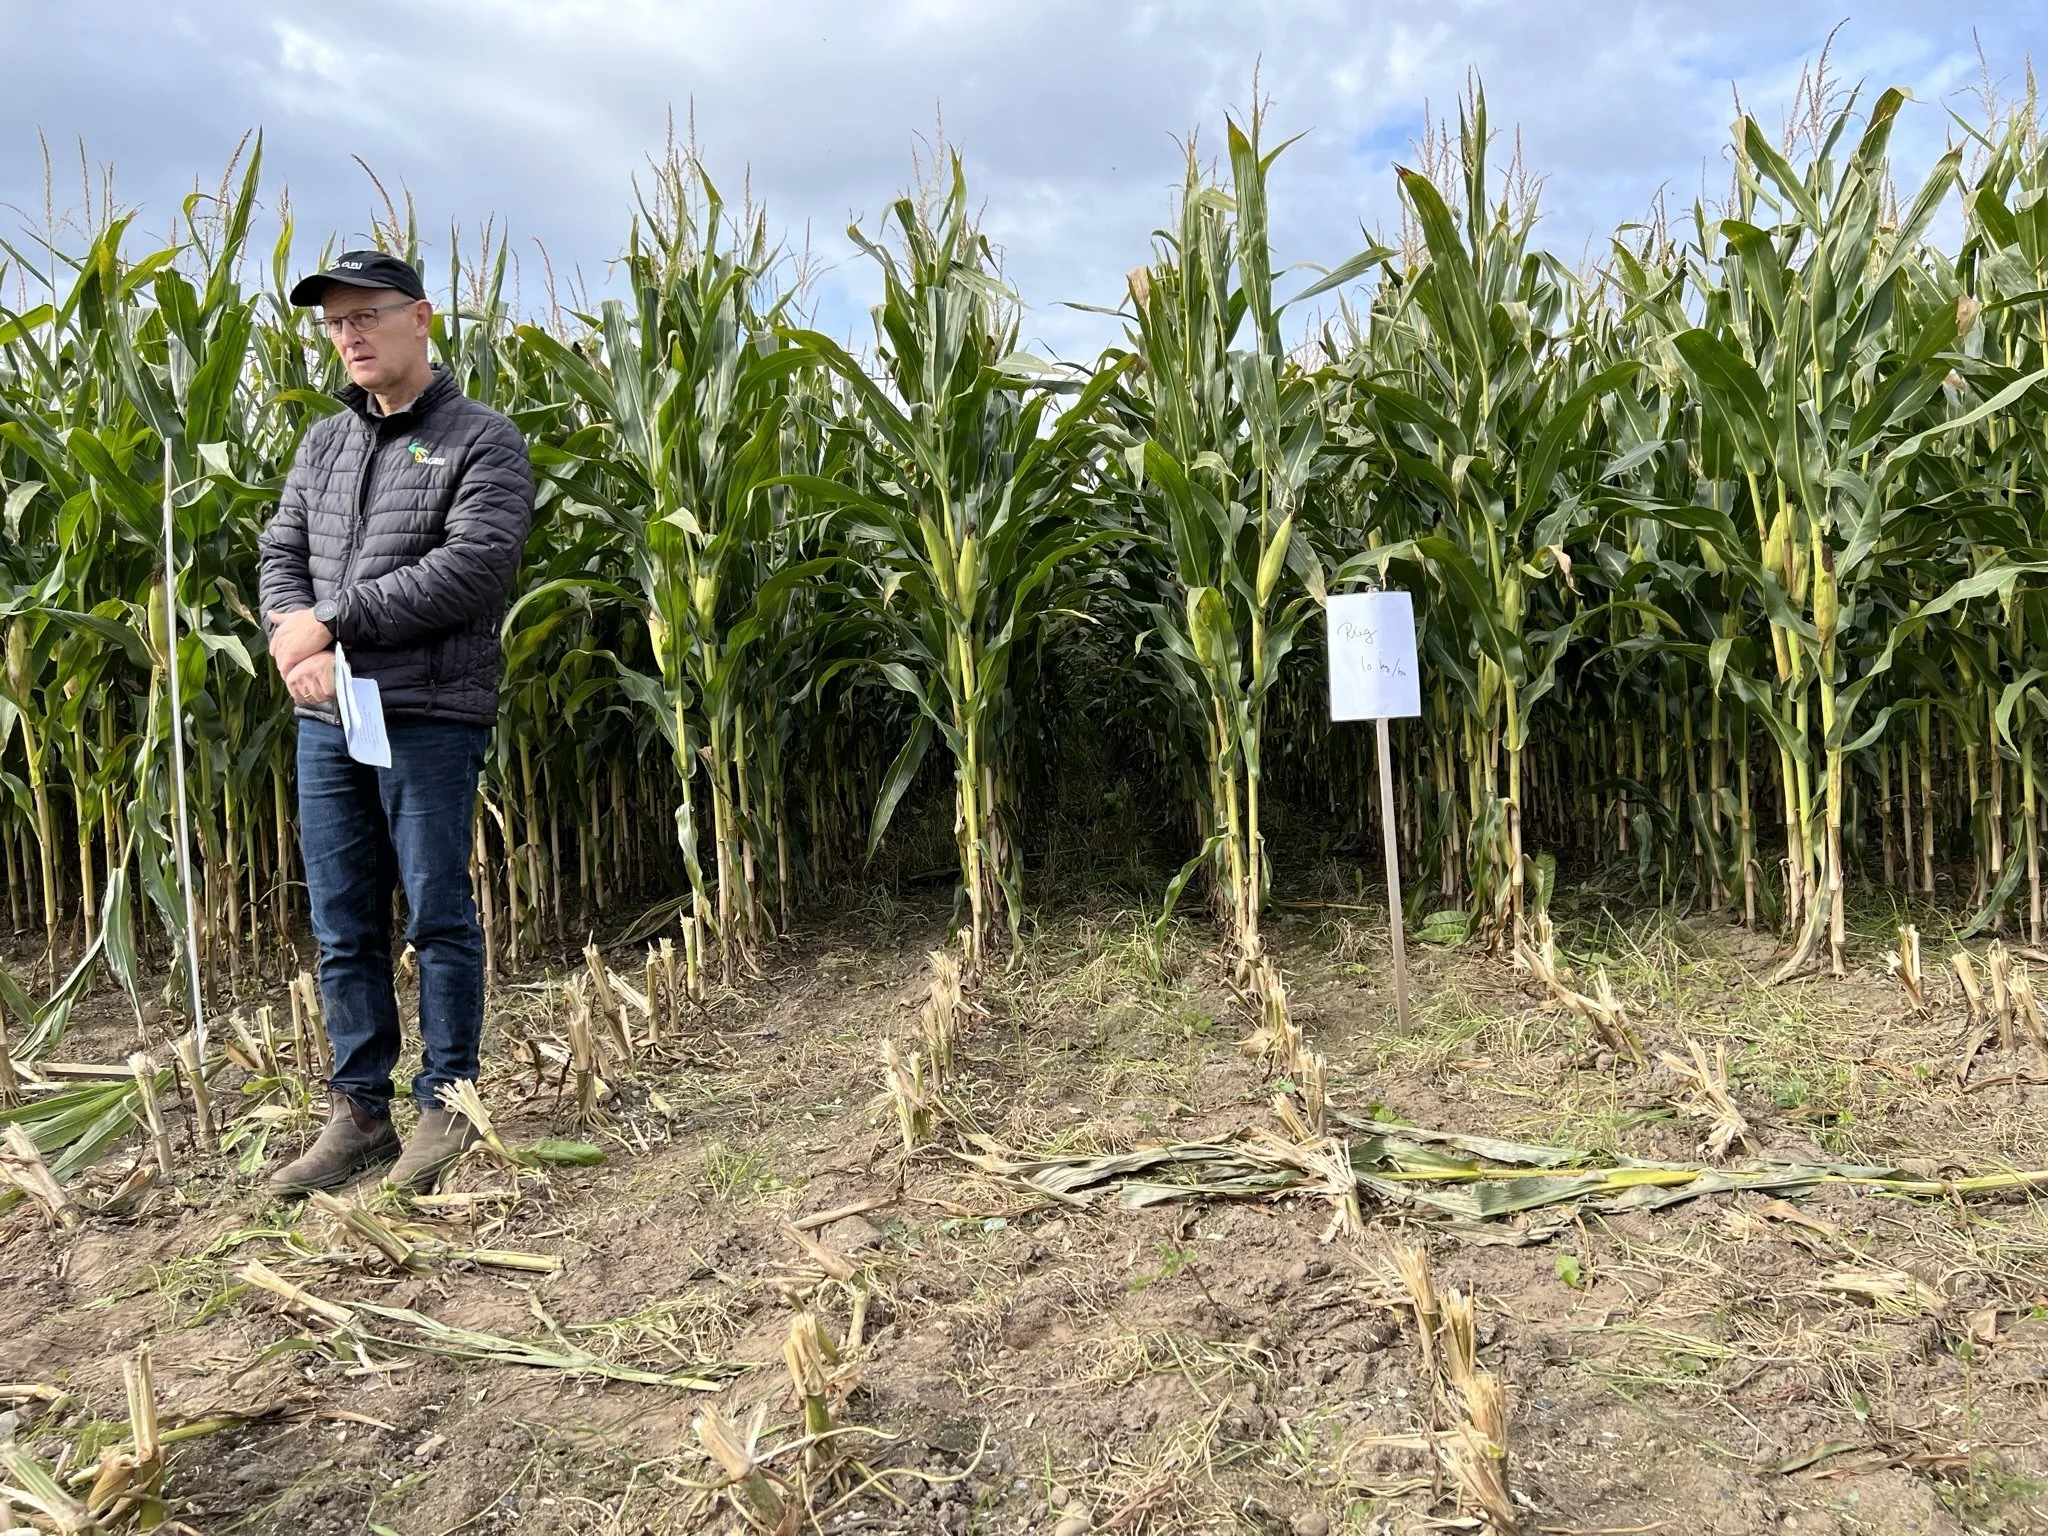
x: 362, y: 321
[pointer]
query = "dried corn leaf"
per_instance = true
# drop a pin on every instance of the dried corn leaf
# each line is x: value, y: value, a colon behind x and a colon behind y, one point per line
x: 27, y: 1481
x: 360, y: 1325
x: 1889, y: 1290
x: 1414, y: 1167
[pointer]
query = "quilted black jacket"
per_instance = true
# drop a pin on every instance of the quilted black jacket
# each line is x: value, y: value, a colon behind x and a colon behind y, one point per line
x: 413, y: 524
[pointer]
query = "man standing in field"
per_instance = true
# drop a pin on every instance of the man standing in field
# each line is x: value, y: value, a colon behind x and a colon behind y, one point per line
x: 397, y: 537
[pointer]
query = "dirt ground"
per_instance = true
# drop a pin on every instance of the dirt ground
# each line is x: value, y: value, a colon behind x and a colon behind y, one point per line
x: 1190, y: 1366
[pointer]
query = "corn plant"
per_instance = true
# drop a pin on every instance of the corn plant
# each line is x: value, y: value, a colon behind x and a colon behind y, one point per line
x: 684, y: 394
x: 1475, y: 379
x: 974, y: 515
x: 1226, y: 443
x: 1728, y: 548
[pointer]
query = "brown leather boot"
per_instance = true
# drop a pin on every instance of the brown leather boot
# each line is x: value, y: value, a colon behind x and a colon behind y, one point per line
x: 353, y: 1142
x: 441, y: 1137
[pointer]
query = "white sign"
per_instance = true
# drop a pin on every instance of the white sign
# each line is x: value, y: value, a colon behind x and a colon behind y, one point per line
x: 1373, y: 670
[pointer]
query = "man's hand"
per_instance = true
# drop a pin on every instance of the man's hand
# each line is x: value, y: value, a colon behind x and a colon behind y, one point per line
x: 312, y: 680
x: 296, y: 636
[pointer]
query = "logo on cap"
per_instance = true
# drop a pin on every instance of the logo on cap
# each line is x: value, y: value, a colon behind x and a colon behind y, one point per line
x: 353, y: 266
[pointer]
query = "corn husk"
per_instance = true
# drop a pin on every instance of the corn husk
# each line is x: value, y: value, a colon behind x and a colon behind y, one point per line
x: 1602, y: 1011
x: 905, y: 1086
x: 1904, y: 965
x: 1998, y: 960
x: 193, y: 1073
x: 752, y: 1493
x: 1708, y: 1096
x: 145, y: 1069
x: 22, y: 1166
x: 1966, y: 977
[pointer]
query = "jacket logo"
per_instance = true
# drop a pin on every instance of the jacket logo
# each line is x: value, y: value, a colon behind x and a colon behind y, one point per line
x: 422, y: 454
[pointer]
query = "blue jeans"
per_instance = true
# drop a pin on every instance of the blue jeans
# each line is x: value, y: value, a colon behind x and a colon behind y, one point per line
x: 363, y: 831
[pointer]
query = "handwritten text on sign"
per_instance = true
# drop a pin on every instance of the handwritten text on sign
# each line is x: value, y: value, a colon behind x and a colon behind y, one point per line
x: 1373, y: 670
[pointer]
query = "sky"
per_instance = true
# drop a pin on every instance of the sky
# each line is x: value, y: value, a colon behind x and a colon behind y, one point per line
x: 1071, y: 115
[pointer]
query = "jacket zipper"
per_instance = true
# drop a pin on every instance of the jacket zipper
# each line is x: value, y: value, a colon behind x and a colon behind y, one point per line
x: 362, y: 512
x: 372, y: 430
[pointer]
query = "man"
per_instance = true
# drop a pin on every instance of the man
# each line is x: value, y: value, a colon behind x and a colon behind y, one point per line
x: 397, y: 537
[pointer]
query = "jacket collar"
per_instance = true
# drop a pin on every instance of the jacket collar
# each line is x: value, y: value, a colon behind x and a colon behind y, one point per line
x: 439, y: 387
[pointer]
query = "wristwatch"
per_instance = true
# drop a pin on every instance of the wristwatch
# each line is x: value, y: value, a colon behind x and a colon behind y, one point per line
x: 327, y: 610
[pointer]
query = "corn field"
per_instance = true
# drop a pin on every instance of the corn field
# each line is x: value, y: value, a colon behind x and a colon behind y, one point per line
x: 1729, y: 552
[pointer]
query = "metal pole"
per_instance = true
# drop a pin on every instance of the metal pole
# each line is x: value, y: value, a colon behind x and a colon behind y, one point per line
x: 1393, y: 874
x: 178, y: 812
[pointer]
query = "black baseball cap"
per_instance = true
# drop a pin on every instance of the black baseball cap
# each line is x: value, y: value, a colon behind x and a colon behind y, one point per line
x: 361, y: 269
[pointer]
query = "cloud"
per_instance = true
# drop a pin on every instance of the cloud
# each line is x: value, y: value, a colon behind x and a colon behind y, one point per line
x: 1072, y: 114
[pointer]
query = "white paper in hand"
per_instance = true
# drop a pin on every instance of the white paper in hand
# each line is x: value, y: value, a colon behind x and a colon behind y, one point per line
x: 1373, y: 670
x: 362, y: 714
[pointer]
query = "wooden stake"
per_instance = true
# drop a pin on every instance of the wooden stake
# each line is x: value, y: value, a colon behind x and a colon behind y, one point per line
x: 180, y: 819
x: 1393, y: 873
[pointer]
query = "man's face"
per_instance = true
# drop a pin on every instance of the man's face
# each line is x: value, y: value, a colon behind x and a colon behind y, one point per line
x: 380, y: 333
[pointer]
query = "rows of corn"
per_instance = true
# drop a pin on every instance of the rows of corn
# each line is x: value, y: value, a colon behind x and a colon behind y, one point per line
x: 1729, y: 550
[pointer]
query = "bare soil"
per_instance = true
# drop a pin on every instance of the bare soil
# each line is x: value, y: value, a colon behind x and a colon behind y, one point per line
x: 1194, y: 1366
